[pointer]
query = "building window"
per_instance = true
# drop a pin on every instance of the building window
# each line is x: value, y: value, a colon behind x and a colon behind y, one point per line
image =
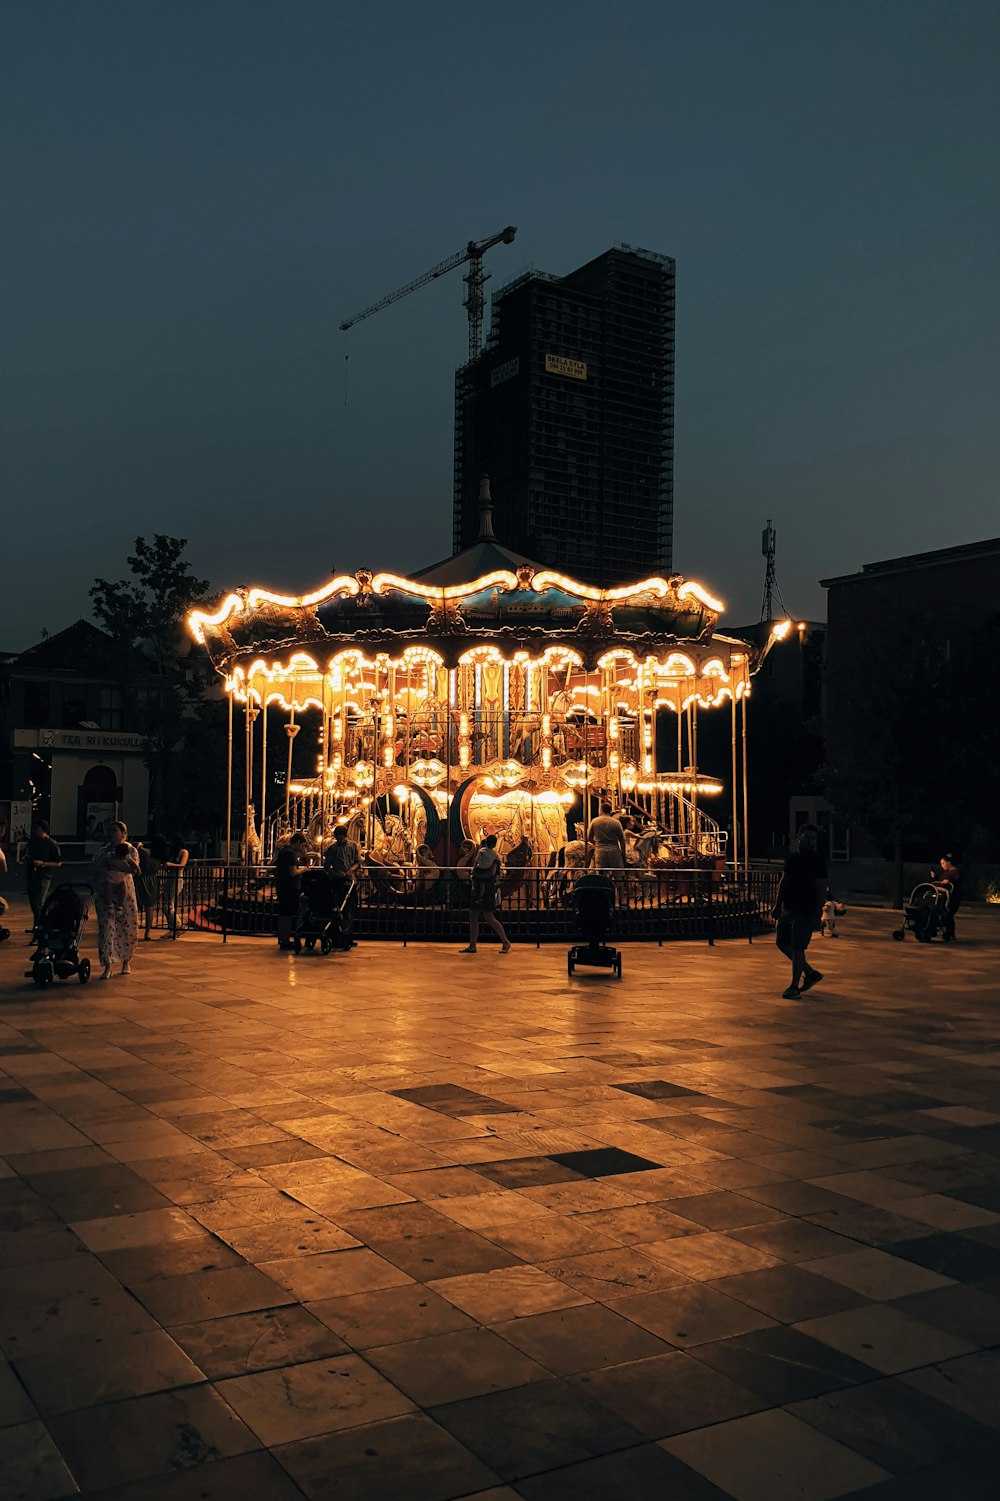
x: 74, y: 707
x: 111, y: 708
x: 36, y: 704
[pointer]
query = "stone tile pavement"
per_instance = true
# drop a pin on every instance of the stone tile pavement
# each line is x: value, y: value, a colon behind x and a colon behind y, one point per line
x: 415, y: 1225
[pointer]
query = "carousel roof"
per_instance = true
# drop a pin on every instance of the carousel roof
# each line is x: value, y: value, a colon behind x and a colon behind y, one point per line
x: 486, y: 596
x: 486, y: 555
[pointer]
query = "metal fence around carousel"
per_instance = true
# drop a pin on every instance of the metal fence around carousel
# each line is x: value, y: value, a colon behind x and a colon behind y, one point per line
x: 535, y: 906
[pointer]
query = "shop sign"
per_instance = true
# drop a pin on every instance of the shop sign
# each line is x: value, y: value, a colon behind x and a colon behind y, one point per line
x: 78, y: 740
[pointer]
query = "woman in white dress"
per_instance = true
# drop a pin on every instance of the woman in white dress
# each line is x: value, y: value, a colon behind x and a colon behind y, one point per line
x: 115, y: 868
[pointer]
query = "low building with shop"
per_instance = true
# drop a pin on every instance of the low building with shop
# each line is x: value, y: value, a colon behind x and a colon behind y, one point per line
x: 70, y: 745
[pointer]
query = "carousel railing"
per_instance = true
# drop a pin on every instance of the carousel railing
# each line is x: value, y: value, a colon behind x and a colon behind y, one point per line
x: 406, y: 903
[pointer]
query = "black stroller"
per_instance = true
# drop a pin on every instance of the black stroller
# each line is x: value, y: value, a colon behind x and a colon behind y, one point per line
x: 593, y: 916
x: 323, y: 912
x: 58, y: 933
x: 925, y: 914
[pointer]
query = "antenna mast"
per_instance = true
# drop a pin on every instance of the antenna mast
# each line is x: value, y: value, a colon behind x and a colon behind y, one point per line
x: 768, y: 549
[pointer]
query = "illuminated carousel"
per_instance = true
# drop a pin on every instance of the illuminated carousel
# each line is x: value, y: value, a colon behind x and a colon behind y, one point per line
x: 484, y: 694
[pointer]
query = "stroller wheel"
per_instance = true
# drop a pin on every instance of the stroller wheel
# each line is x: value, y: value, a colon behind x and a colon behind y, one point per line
x: 899, y: 934
x: 325, y: 946
x: 570, y: 966
x: 618, y: 966
x: 4, y: 934
x: 43, y: 974
x: 296, y: 946
x: 83, y: 973
x: 310, y: 944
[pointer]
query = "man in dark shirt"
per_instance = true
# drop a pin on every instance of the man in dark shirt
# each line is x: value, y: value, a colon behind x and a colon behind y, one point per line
x: 289, y: 864
x: 342, y: 861
x: 41, y: 858
x: 798, y: 908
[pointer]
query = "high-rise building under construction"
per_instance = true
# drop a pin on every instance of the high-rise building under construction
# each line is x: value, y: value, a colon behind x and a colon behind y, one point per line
x: 569, y: 410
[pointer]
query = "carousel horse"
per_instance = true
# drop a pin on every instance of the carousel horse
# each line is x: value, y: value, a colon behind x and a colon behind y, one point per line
x: 517, y: 863
x: 250, y: 850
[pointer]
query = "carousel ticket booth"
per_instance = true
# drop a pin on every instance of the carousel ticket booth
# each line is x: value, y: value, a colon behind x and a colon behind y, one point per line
x: 485, y: 695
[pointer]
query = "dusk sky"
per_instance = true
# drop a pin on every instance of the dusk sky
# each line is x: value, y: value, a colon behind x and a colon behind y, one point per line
x: 196, y: 192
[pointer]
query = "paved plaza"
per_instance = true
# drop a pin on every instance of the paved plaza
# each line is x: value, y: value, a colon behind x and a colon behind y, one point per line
x: 408, y: 1225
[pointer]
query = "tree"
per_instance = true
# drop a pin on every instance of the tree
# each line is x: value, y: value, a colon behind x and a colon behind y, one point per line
x: 144, y: 615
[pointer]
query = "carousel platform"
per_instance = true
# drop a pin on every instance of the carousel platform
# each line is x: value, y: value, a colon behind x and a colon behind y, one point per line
x: 535, y: 907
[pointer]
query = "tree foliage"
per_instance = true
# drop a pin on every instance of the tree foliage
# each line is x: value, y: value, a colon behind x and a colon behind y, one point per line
x: 144, y: 615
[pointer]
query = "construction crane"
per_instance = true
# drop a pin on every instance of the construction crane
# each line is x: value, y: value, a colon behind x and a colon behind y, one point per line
x: 474, y: 279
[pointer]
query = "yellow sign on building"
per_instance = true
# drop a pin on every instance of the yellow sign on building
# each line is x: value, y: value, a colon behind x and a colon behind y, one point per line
x: 558, y: 364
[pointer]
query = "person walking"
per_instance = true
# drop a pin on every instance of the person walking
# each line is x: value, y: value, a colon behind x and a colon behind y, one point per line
x: 116, y: 868
x: 342, y: 862
x: 485, y: 871
x: 173, y: 871
x: 289, y: 864
x: 152, y: 858
x: 41, y: 856
x: 797, y: 910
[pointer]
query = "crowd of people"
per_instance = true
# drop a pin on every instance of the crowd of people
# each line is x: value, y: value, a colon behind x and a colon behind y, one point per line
x: 128, y: 881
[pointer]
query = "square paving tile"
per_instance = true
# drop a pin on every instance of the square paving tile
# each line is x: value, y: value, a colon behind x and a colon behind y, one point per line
x: 722, y: 1211
x: 877, y: 1274
x: 301, y: 1401
x: 603, y: 1162
x: 644, y: 1471
x: 409, y: 1458
x: 209, y: 1295
x: 895, y: 1425
x: 448, y: 1367
x: 247, y: 1476
x: 389, y: 1314
x: 454, y: 1253
x: 969, y: 1312
x: 608, y: 1274
x: 15, y: 1404
x: 970, y: 1384
x: 332, y: 1274
x: 257, y: 1341
x: 587, y: 1338
x: 793, y: 1241
x: 691, y: 1314
x: 772, y: 1454
x: 705, y: 1257
x: 783, y: 1365
x: 790, y: 1293
x: 884, y: 1338
x: 83, y: 1375
x: 31, y: 1465
x: 956, y: 1256
x: 535, y: 1428
x: 507, y: 1293
x: 669, y: 1393
x: 146, y: 1436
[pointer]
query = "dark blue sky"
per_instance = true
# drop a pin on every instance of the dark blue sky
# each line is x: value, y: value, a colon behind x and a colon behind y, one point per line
x: 195, y: 194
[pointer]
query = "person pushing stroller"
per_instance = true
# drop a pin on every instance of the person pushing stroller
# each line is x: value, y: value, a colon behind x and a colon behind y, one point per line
x: 342, y: 862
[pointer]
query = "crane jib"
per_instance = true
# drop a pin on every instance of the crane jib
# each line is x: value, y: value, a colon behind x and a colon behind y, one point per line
x: 473, y: 252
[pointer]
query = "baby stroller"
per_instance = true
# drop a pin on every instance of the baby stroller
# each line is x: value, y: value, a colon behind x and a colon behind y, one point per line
x: 926, y: 912
x: 322, y: 913
x: 59, y: 930
x: 593, y: 915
